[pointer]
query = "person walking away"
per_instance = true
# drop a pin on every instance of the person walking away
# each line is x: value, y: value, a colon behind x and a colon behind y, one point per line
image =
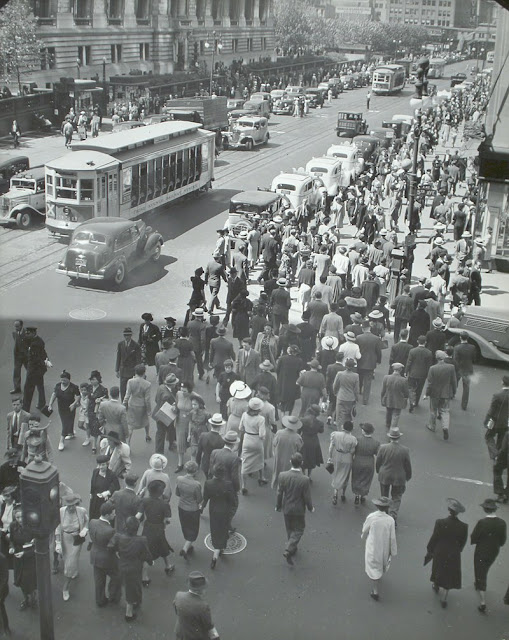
x: 418, y: 364
x: 37, y: 365
x: 370, y: 346
x: 20, y: 354
x: 312, y: 386
x: 464, y: 358
x: 22, y: 548
x: 213, y: 275
x: 441, y: 388
x: 128, y: 356
x: 444, y: 548
x: 15, y: 134
x: 346, y: 390
x: 138, y: 403
x: 194, y: 619
x: 189, y: 492
x: 68, y: 130
x: 400, y: 350
x: 126, y: 502
x: 403, y: 308
x: 380, y: 532
x: 394, y: 470
x: 103, y: 559
x: 368, y: 100
x: 220, y: 493
x: 103, y: 485
x: 394, y: 395
x: 311, y: 450
x: 341, y: 450
x: 363, y: 465
x: 497, y: 419
x: 293, y: 498
x: 286, y: 442
x: 252, y: 431
x: 112, y: 415
x: 489, y: 534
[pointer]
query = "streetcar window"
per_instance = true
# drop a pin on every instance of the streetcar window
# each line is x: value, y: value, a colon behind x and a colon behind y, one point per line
x: 198, y: 162
x: 158, y: 180
x: 67, y: 188
x: 173, y: 171
x: 192, y: 164
x: 86, y: 190
x: 166, y: 174
x: 185, y: 167
x: 143, y: 182
x: 135, y: 186
x: 150, y: 180
x: 178, y: 181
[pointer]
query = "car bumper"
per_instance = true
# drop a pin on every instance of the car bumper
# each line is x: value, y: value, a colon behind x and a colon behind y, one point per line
x: 5, y: 221
x: 81, y: 274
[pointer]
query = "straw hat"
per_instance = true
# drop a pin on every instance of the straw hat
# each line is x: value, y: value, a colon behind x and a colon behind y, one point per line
x: 239, y: 389
x: 291, y: 422
x: 158, y: 462
x: 329, y: 343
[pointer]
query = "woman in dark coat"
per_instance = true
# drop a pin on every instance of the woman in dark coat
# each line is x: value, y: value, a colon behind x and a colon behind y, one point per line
x: 219, y: 492
x: 65, y: 393
x: 157, y: 513
x: 420, y: 323
x: 241, y: 312
x: 149, y: 339
x: 311, y: 427
x: 489, y: 534
x: 103, y: 485
x: 97, y: 393
x: 444, y: 547
x: 363, y: 465
x: 198, y: 296
x: 25, y: 576
x: 186, y: 357
x: 132, y: 551
x: 288, y: 369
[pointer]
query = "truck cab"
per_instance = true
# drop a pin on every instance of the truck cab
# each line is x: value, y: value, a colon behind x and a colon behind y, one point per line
x: 350, y: 160
x: 350, y: 124
x: 247, y: 132
x: 25, y: 201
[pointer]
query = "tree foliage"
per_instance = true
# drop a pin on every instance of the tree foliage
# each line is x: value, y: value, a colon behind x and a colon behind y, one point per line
x: 299, y: 25
x: 20, y: 48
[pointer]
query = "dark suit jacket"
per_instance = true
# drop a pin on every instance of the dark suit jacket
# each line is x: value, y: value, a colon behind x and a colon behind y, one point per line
x: 499, y: 410
x: 22, y: 429
x: 206, y: 444
x: 280, y: 301
x: 101, y: 533
x: 393, y: 464
x: 231, y: 463
x: 220, y: 350
x: 166, y: 369
x: 399, y: 352
x: 464, y: 357
x: 371, y: 351
x: 20, y: 345
x: 419, y: 361
x: 127, y: 358
x: 394, y: 391
x: 36, y: 356
x: 127, y: 503
x: 294, y: 493
x: 113, y: 416
x: 194, y: 620
x: 435, y: 340
x: 441, y: 381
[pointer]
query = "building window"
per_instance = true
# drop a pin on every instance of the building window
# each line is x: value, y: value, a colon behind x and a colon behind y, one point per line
x: 144, y: 51
x: 84, y: 55
x: 115, y: 11
x: 235, y: 45
x: 202, y: 47
x: 249, y: 10
x: 116, y: 53
x: 142, y: 11
x: 48, y: 58
x: 174, y: 8
x: 200, y: 9
x: 217, y: 10
x: 43, y: 8
x: 263, y: 42
x: 262, y: 11
x: 250, y: 44
x: 82, y: 11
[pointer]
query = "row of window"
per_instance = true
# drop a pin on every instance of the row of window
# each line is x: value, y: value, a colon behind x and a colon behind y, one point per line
x: 82, y: 189
x: 152, y: 179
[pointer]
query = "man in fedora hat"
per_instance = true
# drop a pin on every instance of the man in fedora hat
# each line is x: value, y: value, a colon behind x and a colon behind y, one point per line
x: 112, y: 414
x: 37, y: 365
x: 20, y: 354
x: 286, y: 442
x: 497, y: 418
x: 165, y: 431
x: 209, y: 441
x: 403, y: 306
x: 119, y: 453
x: 436, y: 338
x: 501, y: 464
x: 196, y: 328
x: 194, y: 620
x: 128, y: 356
x: 394, y: 470
x: 214, y: 273
x: 370, y: 347
x: 171, y: 367
x: 441, y: 388
x: 231, y: 463
x: 293, y: 498
x: 162, y: 357
x: 126, y: 502
x: 235, y: 285
x: 346, y: 390
x: 220, y: 350
x: 312, y: 386
x: 418, y: 364
x: 280, y: 302
x: 394, y: 395
x: 248, y: 362
x: 224, y: 381
x: 464, y: 357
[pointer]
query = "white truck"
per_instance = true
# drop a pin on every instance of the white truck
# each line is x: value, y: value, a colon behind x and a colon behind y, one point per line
x: 25, y: 201
x: 352, y: 164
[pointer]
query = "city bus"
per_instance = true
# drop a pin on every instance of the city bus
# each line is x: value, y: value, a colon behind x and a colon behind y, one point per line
x: 436, y: 68
x: 388, y: 79
x: 127, y: 173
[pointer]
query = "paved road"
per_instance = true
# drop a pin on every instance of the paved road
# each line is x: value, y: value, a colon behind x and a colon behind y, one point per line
x: 255, y: 594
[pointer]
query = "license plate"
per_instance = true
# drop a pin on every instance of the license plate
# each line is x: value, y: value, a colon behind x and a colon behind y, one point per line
x: 81, y: 262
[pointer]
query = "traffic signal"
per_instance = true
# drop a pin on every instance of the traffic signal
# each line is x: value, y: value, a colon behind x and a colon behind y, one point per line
x: 40, y: 497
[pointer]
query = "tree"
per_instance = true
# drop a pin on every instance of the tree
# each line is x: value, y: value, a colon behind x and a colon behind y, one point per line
x: 292, y: 24
x: 20, y: 48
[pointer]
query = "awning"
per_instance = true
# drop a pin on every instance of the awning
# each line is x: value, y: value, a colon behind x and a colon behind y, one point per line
x: 493, y: 162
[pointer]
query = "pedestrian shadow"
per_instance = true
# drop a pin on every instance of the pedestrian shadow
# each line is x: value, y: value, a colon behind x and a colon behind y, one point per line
x: 493, y: 291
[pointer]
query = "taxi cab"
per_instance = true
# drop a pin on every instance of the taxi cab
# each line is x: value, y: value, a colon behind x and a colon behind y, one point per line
x: 297, y: 187
x: 328, y: 170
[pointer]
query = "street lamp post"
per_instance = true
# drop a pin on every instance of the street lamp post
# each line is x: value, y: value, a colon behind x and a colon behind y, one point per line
x: 40, y: 505
x: 216, y: 48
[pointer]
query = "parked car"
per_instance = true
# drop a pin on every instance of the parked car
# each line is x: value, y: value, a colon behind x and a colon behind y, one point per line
x: 108, y: 249
x: 26, y: 199
x: 315, y: 97
x: 328, y: 171
x: 488, y: 331
x: 284, y: 107
x: 234, y: 103
x: 261, y: 95
x: 297, y: 187
x: 294, y: 91
x: 260, y: 108
x: 248, y: 206
x: 247, y: 132
x: 352, y: 163
x: 368, y: 146
x: 277, y: 94
x: 10, y: 167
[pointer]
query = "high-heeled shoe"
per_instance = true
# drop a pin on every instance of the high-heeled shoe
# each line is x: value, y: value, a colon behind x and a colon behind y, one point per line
x: 443, y: 604
x: 179, y: 468
x: 334, y: 499
x: 357, y: 500
x: 375, y: 596
x: 213, y: 563
x: 183, y: 554
x: 148, y: 439
x: 145, y: 583
x: 434, y: 587
x: 244, y: 491
x: 482, y: 608
x: 343, y: 497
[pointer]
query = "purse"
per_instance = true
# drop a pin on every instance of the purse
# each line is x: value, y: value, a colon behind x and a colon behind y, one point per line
x: 329, y: 467
x: 77, y: 541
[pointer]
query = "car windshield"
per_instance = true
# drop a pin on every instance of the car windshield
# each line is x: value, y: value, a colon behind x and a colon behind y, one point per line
x: 318, y: 170
x: 20, y: 183
x: 338, y: 154
x: 243, y: 207
x: 89, y: 237
x: 283, y: 185
x: 245, y: 123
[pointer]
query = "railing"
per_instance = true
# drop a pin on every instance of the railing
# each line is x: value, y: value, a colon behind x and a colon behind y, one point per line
x: 115, y: 21
x: 82, y: 21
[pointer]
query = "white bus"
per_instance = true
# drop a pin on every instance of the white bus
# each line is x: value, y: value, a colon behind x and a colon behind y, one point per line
x: 388, y: 79
x: 127, y: 173
x: 436, y: 68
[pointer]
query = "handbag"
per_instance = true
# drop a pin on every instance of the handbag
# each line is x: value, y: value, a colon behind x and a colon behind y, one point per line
x: 329, y: 467
x: 77, y: 540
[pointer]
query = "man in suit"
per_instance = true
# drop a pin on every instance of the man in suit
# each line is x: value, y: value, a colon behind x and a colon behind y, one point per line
x: 235, y: 284
x: 194, y: 620
x: 104, y: 559
x: 394, y: 470
x: 419, y: 361
x: 220, y: 350
x: 20, y: 354
x: 112, y: 415
x: 497, y: 419
x: 126, y: 502
x: 162, y: 357
x: 394, y: 395
x: 36, y: 368
x: 231, y: 463
x: 371, y: 355
x: 280, y: 302
x: 464, y: 357
x: 400, y: 350
x: 166, y: 392
x: 419, y: 322
x: 436, y: 338
x: 128, y: 356
x: 209, y: 441
x: 17, y: 424
x: 441, y: 388
x: 403, y: 306
x: 196, y: 328
x: 171, y: 367
x: 293, y: 497
x: 248, y: 362
x: 214, y: 273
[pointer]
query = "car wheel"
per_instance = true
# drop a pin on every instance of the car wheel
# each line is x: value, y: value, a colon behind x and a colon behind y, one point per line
x: 157, y: 253
x: 120, y: 274
x: 249, y: 145
x: 267, y: 138
x: 24, y: 219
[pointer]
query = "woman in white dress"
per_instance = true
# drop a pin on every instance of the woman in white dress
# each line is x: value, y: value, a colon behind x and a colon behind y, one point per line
x: 380, y: 532
x: 252, y: 430
x: 70, y: 536
x: 341, y: 450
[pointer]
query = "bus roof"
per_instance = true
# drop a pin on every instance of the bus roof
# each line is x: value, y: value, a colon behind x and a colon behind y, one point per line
x: 258, y: 198
x: 79, y: 160
x: 151, y: 134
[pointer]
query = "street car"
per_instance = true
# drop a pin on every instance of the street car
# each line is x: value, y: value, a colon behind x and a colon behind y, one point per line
x: 488, y: 331
x: 108, y: 249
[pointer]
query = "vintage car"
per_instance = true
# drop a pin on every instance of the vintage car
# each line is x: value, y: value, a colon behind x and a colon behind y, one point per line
x: 108, y: 249
x: 328, y: 171
x: 234, y: 103
x: 284, y: 107
x: 246, y: 133
x: 368, y: 147
x: 259, y: 96
x: 488, y: 331
x: 351, y: 162
x: 248, y: 206
x: 10, y: 167
x: 277, y: 94
x: 25, y: 202
x: 294, y: 91
x: 315, y: 97
x: 260, y: 108
x: 299, y: 188
x: 385, y: 135
x: 350, y: 124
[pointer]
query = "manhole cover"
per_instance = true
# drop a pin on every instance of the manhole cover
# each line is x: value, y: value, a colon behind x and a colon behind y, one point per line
x: 236, y: 544
x: 88, y: 313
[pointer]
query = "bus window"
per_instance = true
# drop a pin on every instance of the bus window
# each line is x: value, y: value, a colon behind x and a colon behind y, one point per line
x: 173, y: 171
x: 185, y: 167
x: 67, y: 188
x: 166, y: 174
x: 158, y: 180
x: 143, y: 182
x: 178, y: 180
x: 150, y: 180
x: 86, y: 189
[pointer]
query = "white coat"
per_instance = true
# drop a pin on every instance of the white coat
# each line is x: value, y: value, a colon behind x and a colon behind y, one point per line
x: 380, y: 532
